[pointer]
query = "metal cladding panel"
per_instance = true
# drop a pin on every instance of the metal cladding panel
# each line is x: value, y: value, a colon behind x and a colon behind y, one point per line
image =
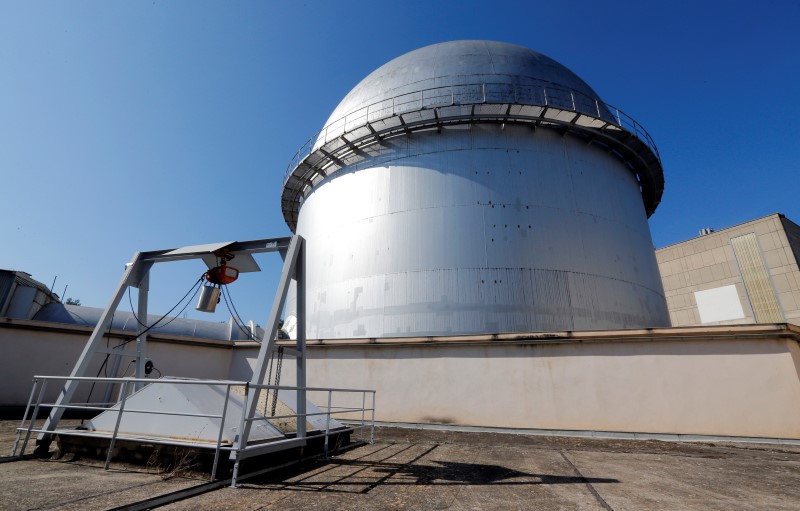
x: 494, y: 229
x: 455, y: 63
x: 22, y: 303
x: 477, y: 65
x: 434, y: 238
x: 7, y: 279
x: 550, y: 299
x: 547, y: 243
x: 395, y: 299
x: 756, y: 278
x: 351, y: 308
x: 478, y: 300
x: 429, y: 296
x: 592, y: 172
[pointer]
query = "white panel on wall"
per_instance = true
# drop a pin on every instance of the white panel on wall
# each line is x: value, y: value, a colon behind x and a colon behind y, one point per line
x: 719, y: 304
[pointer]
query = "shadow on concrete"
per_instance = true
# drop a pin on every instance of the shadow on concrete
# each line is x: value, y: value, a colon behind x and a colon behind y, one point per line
x: 361, y: 475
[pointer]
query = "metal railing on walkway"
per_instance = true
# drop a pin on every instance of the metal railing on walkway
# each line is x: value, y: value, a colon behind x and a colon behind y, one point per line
x: 361, y: 418
x: 473, y: 94
x: 348, y: 141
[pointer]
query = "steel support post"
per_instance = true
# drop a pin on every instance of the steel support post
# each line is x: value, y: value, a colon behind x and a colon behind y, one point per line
x: 141, y: 340
x: 132, y: 272
x: 240, y: 443
x: 372, y: 425
x: 363, y: 411
x: 113, y: 373
x: 327, y: 422
x: 116, y: 425
x: 270, y: 332
x: 221, y: 429
x: 33, y: 417
x: 300, y: 274
x: 25, y: 416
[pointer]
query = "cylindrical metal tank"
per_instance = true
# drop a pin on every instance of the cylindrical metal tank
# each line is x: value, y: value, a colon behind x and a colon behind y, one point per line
x: 476, y: 187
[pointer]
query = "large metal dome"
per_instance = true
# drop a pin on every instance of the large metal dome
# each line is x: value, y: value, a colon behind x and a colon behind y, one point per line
x: 475, y: 187
x: 468, y: 82
x: 459, y: 63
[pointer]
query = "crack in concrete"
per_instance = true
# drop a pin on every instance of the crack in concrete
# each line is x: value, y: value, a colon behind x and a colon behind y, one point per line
x: 591, y: 488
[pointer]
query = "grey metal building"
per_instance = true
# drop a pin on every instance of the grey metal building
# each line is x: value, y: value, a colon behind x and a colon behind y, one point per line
x: 747, y: 273
x: 21, y: 296
x: 476, y: 186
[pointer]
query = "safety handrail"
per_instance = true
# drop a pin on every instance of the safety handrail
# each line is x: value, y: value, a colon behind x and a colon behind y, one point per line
x: 40, y: 384
x: 472, y: 94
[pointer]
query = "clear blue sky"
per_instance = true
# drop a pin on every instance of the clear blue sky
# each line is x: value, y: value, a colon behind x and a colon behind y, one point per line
x: 130, y: 126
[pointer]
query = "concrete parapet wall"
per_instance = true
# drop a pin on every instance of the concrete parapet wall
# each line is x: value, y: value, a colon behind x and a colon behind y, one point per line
x: 736, y: 380
x: 41, y: 348
x: 733, y: 381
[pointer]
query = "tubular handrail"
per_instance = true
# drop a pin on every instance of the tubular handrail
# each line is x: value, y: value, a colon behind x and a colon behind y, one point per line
x: 307, y: 414
x: 184, y: 381
x: 141, y: 380
x: 40, y: 384
x: 473, y: 94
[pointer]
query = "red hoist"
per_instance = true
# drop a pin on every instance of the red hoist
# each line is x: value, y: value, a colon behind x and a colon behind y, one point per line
x: 217, y: 276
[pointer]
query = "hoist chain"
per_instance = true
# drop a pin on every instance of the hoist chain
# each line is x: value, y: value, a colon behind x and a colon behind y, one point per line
x: 277, y: 379
x: 269, y: 379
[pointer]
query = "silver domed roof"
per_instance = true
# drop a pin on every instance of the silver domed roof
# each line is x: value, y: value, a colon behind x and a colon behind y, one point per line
x: 464, y: 82
x: 459, y: 63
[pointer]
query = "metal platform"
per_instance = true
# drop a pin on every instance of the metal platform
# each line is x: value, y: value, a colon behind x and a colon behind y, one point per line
x: 223, y: 415
x: 353, y: 138
x: 203, y: 415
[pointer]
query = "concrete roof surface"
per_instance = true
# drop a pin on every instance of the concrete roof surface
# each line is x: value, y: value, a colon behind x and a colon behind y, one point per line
x: 424, y: 469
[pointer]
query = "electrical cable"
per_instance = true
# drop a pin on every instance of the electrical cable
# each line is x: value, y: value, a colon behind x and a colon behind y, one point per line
x: 199, y: 286
x: 132, y: 311
x: 194, y: 288
x: 103, y: 366
x: 159, y: 320
x: 228, y: 299
x: 235, y: 315
x: 237, y: 318
x: 107, y: 335
x: 129, y: 366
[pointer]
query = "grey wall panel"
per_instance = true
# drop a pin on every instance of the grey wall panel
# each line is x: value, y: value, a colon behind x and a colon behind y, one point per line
x: 792, y: 231
x: 448, y: 238
x: 395, y: 301
x: 551, y: 301
x: 449, y: 63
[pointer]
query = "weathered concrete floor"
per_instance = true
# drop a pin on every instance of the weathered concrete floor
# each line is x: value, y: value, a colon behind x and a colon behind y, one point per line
x: 42, y: 484
x: 413, y: 469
